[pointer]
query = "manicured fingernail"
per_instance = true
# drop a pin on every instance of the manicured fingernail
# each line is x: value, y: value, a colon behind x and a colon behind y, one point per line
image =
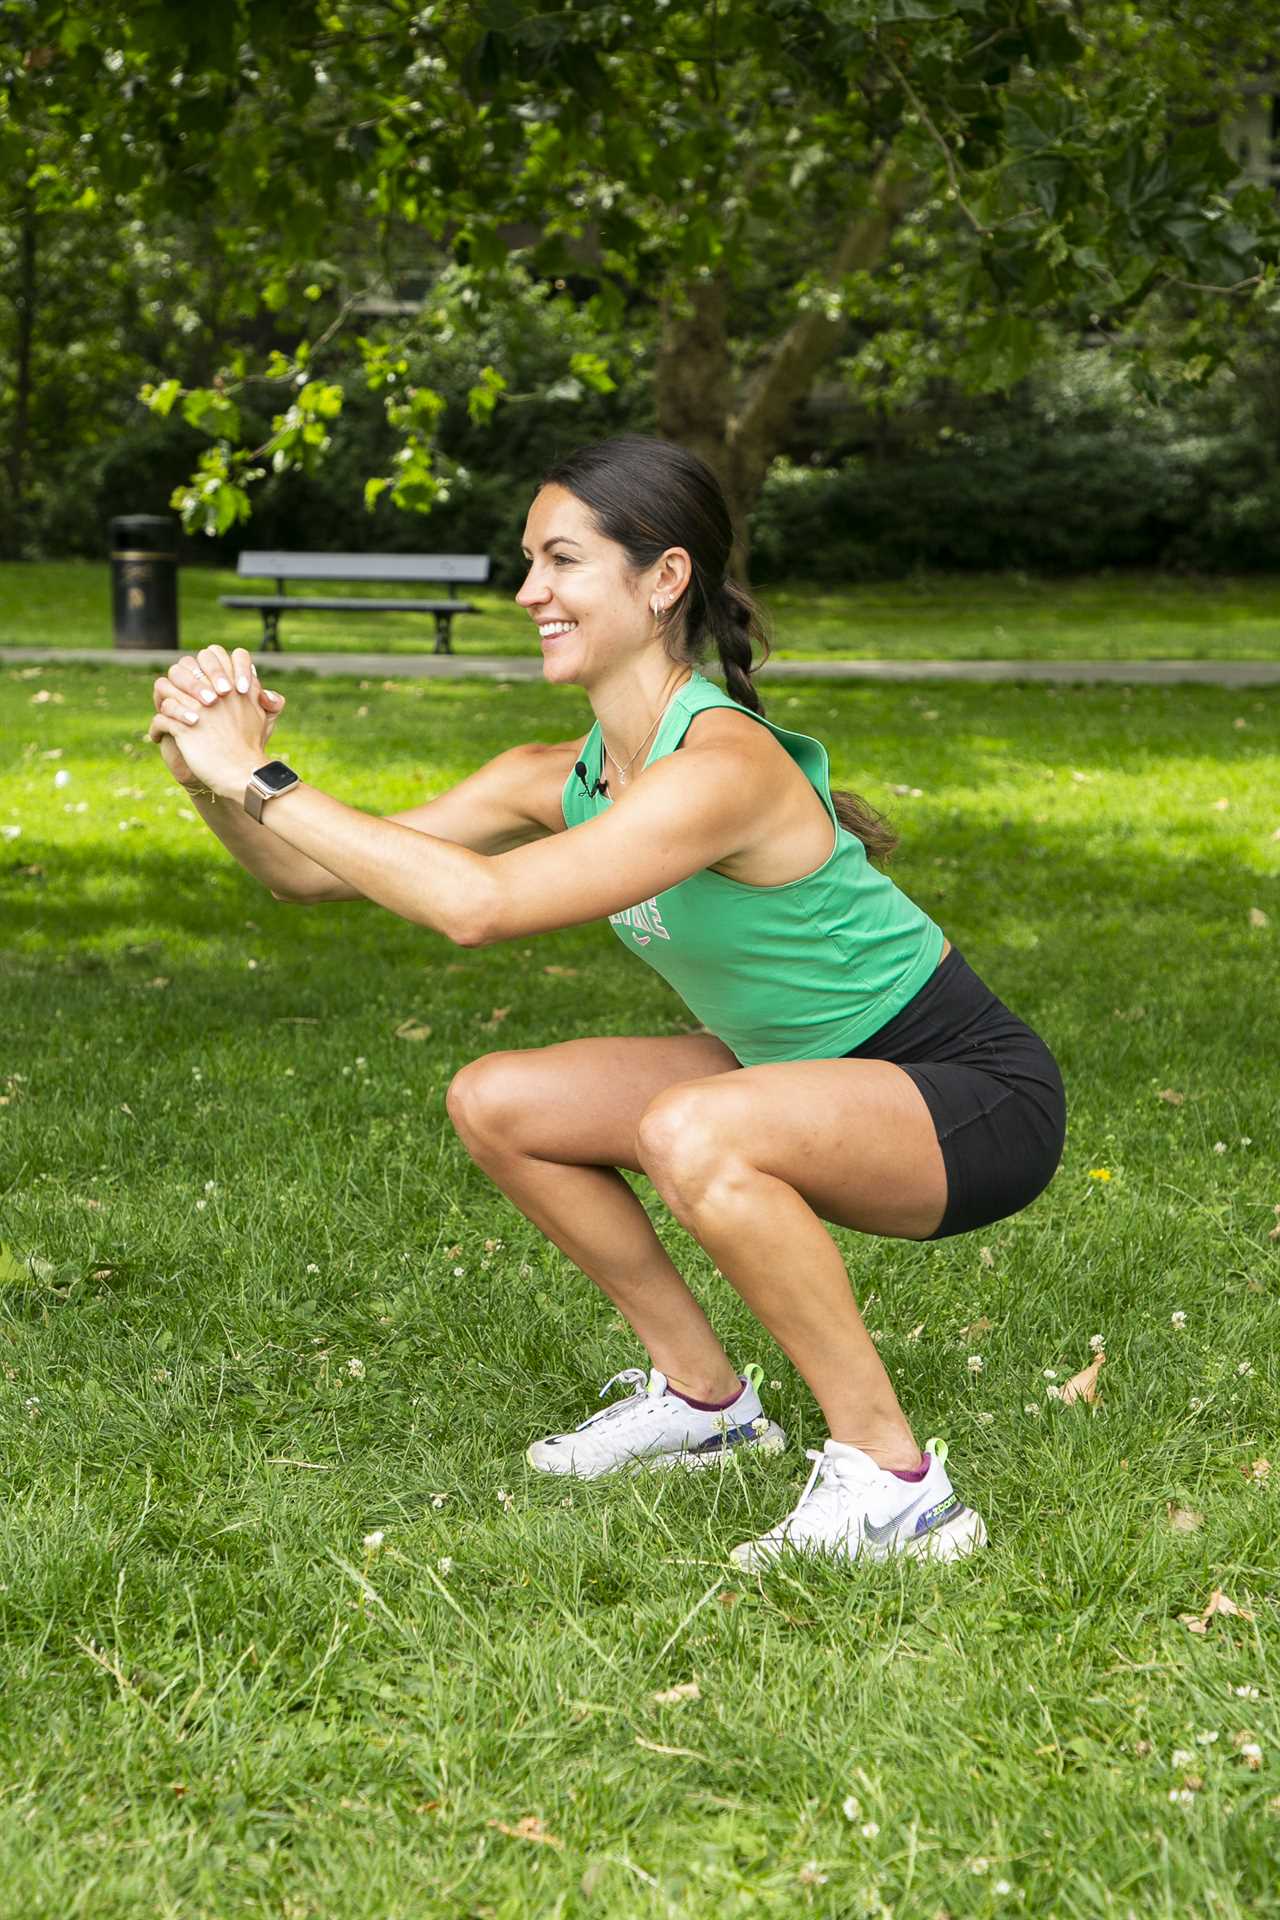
x: 190, y: 718
x: 242, y: 684
x: 207, y: 697
x: 223, y: 686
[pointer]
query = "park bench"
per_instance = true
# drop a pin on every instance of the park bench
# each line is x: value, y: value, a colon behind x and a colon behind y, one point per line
x: 380, y: 569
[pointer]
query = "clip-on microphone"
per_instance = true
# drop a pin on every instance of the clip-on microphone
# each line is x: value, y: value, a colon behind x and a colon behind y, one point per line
x: 601, y: 786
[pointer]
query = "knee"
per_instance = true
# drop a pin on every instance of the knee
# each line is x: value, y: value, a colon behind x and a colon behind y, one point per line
x: 681, y: 1144
x: 483, y: 1099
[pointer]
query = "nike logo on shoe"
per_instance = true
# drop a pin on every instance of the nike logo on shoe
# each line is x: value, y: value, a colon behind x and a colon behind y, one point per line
x: 933, y: 1517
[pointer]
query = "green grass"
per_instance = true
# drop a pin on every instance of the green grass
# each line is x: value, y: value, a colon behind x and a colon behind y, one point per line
x: 225, y: 1180
x: 959, y: 617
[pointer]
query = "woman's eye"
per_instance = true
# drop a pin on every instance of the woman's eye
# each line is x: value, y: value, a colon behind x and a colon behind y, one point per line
x: 562, y: 560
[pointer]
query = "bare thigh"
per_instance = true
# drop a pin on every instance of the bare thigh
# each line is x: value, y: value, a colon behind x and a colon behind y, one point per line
x: 581, y: 1102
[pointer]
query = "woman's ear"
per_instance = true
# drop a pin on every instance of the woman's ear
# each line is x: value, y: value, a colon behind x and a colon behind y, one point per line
x: 675, y: 571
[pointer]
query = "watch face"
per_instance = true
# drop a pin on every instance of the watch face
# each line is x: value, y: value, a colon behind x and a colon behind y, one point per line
x: 276, y: 776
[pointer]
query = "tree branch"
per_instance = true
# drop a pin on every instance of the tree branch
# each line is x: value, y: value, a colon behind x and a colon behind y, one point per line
x: 947, y: 155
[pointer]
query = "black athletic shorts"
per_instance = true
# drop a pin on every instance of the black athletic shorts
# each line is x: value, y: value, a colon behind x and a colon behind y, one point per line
x: 992, y: 1086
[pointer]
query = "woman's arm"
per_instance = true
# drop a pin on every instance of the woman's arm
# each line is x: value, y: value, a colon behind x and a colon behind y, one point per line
x: 511, y: 800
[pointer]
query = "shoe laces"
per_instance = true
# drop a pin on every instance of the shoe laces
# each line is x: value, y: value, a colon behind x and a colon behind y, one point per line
x: 636, y: 1378
x: 827, y: 1487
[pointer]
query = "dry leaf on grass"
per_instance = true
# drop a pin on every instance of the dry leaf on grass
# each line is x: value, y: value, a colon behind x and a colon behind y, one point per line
x: 1257, y: 1470
x: 652, y: 1746
x: 1084, y: 1385
x: 986, y: 1256
x: 980, y: 1325
x: 687, y: 1690
x: 530, y: 1828
x: 1168, y: 1093
x: 1183, y: 1519
x: 1275, y: 1231
x: 495, y: 1019
x: 916, y: 1331
x: 412, y: 1030
x: 1218, y: 1602
x: 1257, y: 918
x: 563, y: 973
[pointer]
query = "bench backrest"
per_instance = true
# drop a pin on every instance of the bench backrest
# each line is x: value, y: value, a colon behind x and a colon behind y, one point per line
x: 470, y: 568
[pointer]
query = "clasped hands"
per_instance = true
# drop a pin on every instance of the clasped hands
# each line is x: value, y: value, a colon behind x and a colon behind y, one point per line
x: 213, y: 720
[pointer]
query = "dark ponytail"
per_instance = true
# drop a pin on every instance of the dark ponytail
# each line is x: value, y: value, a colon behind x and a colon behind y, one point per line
x: 647, y: 495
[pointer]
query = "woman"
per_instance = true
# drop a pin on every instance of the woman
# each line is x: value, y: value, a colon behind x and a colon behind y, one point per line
x: 851, y: 1067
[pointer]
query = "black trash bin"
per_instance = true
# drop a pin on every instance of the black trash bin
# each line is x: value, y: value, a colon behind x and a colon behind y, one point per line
x: 144, y: 581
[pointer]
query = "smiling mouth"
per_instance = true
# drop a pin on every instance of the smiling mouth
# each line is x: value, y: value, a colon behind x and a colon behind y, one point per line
x: 553, y: 629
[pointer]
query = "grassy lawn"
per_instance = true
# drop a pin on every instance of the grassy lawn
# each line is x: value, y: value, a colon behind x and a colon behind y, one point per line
x: 257, y: 1305
x: 958, y: 617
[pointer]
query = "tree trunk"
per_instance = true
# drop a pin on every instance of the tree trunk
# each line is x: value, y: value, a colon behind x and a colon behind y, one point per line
x: 757, y: 430
x: 25, y: 302
x: 692, y: 374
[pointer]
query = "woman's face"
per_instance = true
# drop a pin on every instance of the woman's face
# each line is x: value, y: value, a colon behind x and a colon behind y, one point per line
x: 590, y: 608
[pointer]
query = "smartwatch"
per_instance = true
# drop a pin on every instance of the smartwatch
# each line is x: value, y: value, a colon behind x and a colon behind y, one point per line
x: 265, y: 783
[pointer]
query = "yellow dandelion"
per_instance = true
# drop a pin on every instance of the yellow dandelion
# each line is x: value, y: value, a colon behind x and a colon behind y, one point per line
x: 1099, y: 1173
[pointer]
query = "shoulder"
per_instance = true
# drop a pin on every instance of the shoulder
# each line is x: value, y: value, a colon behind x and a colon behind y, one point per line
x: 540, y: 768
x: 738, y: 741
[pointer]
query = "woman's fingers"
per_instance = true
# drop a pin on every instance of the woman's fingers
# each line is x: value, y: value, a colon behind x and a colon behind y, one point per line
x: 174, y: 707
x: 216, y: 667
x: 243, y: 669
x: 205, y: 675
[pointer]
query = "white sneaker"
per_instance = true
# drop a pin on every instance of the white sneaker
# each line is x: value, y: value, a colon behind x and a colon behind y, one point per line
x: 852, y: 1507
x: 656, y: 1428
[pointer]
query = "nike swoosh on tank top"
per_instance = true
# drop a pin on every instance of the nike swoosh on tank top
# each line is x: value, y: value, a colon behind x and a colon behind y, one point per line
x: 801, y: 971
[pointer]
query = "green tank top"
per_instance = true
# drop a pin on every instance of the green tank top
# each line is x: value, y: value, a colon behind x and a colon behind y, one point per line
x: 801, y: 971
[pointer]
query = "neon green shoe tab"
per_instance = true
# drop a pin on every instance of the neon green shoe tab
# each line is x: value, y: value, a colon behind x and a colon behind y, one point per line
x: 939, y: 1449
x: 753, y: 1375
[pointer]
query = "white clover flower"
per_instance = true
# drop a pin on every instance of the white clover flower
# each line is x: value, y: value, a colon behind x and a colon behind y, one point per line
x: 1032, y: 1409
x: 775, y: 1386
x: 974, y: 1363
x: 526, y: 1273
x: 1219, y: 1146
x: 1181, y: 1796
x: 438, y: 1499
x: 458, y: 1272
x: 504, y: 1500
x: 1251, y: 1754
x: 1178, y: 1321
x: 361, y: 1061
x: 445, y: 1563
x: 201, y: 1205
x: 1182, y: 1757
x: 1205, y: 1739
x: 980, y: 1865
x: 1050, y: 1373
x: 850, y: 1809
x: 1002, y: 1886
x: 1246, y: 1366
x: 1096, y: 1343
x: 31, y: 1408
x: 1245, y: 1693
x: 372, y: 1541
x: 210, y: 1186
x: 1054, y: 1393
x: 1195, y: 1406
x: 312, y: 1267
x: 355, y: 1368
x: 870, y: 1828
